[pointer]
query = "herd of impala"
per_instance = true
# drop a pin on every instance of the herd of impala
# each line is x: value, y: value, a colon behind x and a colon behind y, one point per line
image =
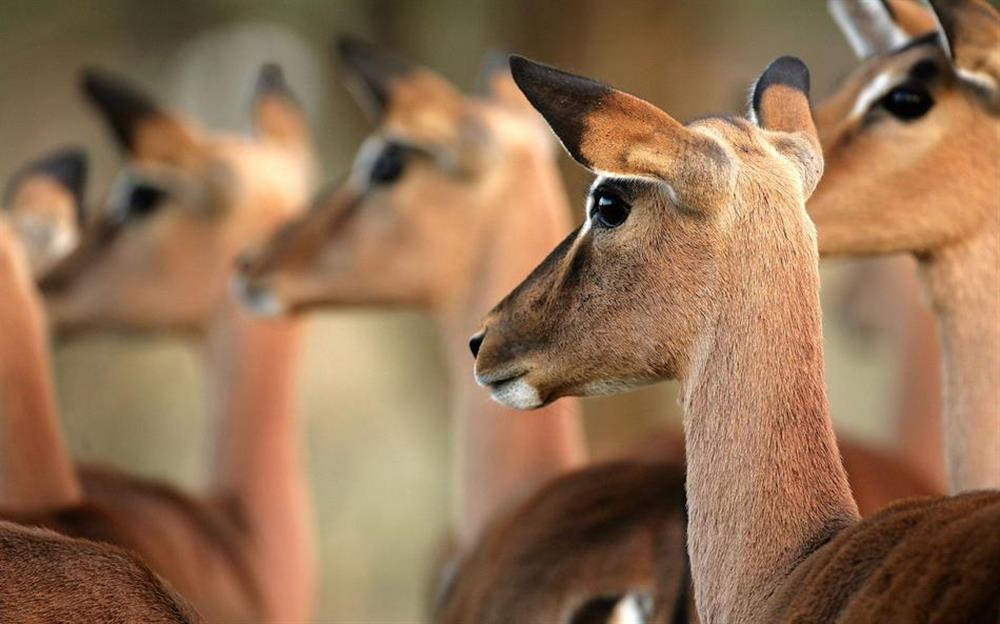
x: 696, y: 261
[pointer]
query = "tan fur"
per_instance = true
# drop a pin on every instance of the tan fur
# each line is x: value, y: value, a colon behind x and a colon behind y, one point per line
x: 35, y: 469
x: 929, y: 187
x: 449, y: 236
x: 46, y: 577
x: 244, y: 552
x: 727, y: 302
x: 584, y: 539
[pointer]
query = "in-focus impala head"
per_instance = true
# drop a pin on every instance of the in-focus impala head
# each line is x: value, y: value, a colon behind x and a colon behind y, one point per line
x: 185, y: 204
x: 427, y: 186
x: 668, y: 219
x: 910, y: 138
x: 44, y: 206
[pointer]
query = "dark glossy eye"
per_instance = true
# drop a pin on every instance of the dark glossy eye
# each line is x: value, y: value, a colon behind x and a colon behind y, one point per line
x: 609, y: 209
x: 908, y: 101
x: 390, y: 164
x: 142, y: 200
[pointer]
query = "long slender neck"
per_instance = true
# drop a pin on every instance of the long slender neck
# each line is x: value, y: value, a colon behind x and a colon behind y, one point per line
x: 36, y: 470
x: 258, y: 465
x: 765, y: 483
x: 502, y: 455
x: 918, y: 420
x: 964, y: 286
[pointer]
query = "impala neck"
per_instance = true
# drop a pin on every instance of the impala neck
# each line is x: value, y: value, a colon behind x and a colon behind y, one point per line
x: 258, y: 466
x: 765, y: 484
x: 964, y: 286
x: 501, y: 454
x: 36, y: 470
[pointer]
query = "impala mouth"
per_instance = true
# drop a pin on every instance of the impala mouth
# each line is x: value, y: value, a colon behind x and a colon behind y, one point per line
x: 511, y: 390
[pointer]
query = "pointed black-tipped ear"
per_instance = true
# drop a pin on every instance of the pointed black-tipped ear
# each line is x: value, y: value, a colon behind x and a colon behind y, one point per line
x: 145, y: 130
x: 970, y: 30
x: 374, y: 73
x: 123, y: 107
x: 780, y: 103
x: 608, y: 130
x: 781, y: 96
x: 565, y: 100
x: 276, y: 112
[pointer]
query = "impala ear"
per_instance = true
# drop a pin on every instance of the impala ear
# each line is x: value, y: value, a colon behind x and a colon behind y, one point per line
x: 613, y: 132
x: 970, y: 30
x: 913, y: 17
x: 277, y: 115
x: 781, y: 103
x: 141, y: 127
x: 374, y: 74
x: 66, y: 168
x: 868, y: 25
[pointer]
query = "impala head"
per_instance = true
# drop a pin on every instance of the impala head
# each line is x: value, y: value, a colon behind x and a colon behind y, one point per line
x: 44, y: 205
x: 428, y: 185
x: 626, y: 299
x: 910, y: 138
x: 185, y: 204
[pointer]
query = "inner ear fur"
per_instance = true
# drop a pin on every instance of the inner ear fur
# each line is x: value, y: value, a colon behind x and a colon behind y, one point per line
x: 277, y: 115
x: 142, y: 128
x: 780, y: 103
x: 607, y: 130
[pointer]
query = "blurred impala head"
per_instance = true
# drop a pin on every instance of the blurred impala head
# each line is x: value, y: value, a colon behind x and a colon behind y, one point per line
x: 628, y: 298
x: 438, y: 171
x: 44, y: 206
x: 910, y: 137
x: 160, y: 253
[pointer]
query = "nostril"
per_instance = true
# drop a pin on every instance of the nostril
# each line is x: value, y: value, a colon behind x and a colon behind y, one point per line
x: 475, y: 342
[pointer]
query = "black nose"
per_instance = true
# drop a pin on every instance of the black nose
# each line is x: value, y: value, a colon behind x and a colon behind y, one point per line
x: 475, y: 342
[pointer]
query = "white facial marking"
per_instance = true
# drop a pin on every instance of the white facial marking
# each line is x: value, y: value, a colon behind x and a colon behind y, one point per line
x: 872, y: 92
x: 368, y: 154
x: 980, y: 79
x: 632, y: 609
x: 517, y: 394
x: 260, y: 301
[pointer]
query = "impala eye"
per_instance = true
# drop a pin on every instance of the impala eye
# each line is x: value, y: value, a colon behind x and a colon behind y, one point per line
x: 390, y: 164
x: 908, y: 101
x: 609, y: 209
x: 142, y: 200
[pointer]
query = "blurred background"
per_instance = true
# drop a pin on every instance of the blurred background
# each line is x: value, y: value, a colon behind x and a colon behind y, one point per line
x: 374, y: 402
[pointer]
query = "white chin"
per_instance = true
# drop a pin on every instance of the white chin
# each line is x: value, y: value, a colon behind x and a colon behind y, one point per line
x: 260, y: 301
x: 517, y: 394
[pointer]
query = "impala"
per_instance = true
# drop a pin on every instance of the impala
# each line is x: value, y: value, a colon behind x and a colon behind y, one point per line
x: 698, y: 262
x: 913, y: 163
x: 159, y: 257
x: 450, y: 201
